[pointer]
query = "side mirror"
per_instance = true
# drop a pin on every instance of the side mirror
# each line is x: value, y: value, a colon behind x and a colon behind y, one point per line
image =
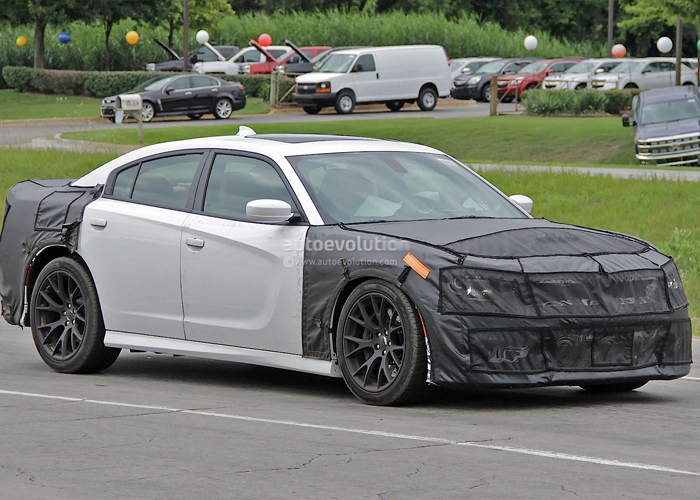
x: 625, y: 120
x: 522, y: 201
x: 599, y: 71
x: 271, y: 211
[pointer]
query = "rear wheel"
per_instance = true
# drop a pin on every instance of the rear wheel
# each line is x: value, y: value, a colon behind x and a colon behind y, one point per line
x: 394, y: 105
x: 427, y: 99
x: 345, y: 102
x: 619, y: 387
x: 66, y: 319
x: 381, y: 345
x: 223, y: 109
x: 313, y: 110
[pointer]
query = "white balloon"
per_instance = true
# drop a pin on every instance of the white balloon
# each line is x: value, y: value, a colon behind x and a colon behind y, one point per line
x: 664, y: 44
x: 530, y: 42
x: 202, y: 36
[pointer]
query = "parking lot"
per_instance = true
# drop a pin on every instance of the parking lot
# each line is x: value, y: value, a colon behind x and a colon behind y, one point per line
x: 154, y: 426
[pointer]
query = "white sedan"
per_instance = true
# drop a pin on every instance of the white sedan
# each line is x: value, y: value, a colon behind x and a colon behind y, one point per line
x: 389, y: 264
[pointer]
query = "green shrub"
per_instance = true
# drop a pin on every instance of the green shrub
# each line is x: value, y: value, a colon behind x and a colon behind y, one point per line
x: 585, y: 102
x: 104, y: 83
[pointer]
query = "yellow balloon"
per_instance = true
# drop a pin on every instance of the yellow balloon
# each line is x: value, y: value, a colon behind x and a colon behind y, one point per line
x: 132, y: 37
x: 21, y: 41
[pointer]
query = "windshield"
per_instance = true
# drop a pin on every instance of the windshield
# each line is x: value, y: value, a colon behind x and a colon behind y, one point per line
x: 336, y: 63
x: 492, y: 67
x: 380, y: 186
x: 535, y: 67
x: 582, y: 67
x: 156, y: 83
x: 626, y: 67
x: 670, y: 111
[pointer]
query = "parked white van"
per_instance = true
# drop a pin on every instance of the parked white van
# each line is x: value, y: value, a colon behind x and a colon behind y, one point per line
x: 392, y: 75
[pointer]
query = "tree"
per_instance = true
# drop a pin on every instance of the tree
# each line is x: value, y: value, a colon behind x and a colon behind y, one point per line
x: 109, y: 12
x: 203, y: 14
x: 39, y: 12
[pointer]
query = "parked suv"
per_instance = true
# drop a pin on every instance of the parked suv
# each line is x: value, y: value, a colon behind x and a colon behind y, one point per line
x: 579, y: 76
x: 667, y: 126
x: 651, y: 73
x: 477, y: 85
x: 531, y: 76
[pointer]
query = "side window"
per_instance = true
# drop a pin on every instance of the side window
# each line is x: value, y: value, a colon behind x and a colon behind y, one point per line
x: 236, y: 180
x: 557, y: 67
x: 653, y: 68
x: 180, y: 84
x: 668, y: 66
x: 514, y: 68
x: 164, y: 182
x: 250, y: 56
x: 365, y: 63
x: 206, y: 55
x: 202, y: 81
x: 295, y: 59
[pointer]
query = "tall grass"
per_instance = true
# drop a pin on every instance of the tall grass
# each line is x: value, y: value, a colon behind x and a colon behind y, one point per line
x: 463, y: 37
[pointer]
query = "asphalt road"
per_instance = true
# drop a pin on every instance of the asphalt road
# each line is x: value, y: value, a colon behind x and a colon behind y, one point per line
x: 154, y: 426
x: 14, y: 133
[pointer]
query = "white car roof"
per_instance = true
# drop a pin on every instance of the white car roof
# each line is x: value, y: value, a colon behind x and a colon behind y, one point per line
x: 275, y: 146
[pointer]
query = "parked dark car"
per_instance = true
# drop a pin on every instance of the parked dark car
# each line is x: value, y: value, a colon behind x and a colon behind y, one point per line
x: 188, y: 94
x: 478, y: 85
x: 667, y: 126
x: 203, y: 53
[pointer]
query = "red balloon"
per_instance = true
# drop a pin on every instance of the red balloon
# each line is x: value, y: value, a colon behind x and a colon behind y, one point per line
x: 619, y: 50
x: 265, y: 40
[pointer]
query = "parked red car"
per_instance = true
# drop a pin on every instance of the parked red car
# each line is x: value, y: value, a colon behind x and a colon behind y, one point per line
x: 531, y: 76
x: 288, y: 57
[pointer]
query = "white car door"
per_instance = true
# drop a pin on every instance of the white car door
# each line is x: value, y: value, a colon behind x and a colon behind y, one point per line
x: 366, y: 79
x: 131, y: 244
x: 242, y: 280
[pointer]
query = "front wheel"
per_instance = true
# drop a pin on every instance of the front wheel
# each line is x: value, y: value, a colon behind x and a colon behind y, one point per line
x: 345, y: 102
x: 148, y: 112
x: 66, y: 319
x: 381, y: 345
x: 618, y: 387
x: 223, y: 109
x: 427, y: 99
x: 486, y: 93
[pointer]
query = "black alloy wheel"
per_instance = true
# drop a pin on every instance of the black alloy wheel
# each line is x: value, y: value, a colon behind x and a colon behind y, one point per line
x: 66, y: 319
x: 381, y: 345
x: 486, y: 92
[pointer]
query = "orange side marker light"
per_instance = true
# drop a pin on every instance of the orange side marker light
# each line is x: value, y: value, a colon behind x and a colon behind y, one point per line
x: 416, y: 265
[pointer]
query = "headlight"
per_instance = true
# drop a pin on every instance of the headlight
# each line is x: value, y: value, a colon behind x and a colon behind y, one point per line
x: 109, y: 100
x: 281, y: 70
x: 323, y: 88
x: 517, y: 81
x: 246, y: 68
x: 474, y: 80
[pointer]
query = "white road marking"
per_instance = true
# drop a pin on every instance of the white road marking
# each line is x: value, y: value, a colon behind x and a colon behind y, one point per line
x: 368, y: 432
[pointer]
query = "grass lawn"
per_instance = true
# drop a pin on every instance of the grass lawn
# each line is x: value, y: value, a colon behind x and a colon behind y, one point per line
x: 23, y: 106
x: 651, y: 209
x: 501, y: 139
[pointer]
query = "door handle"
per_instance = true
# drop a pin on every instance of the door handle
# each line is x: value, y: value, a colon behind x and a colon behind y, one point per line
x: 377, y: 76
x: 195, y: 242
x: 98, y: 222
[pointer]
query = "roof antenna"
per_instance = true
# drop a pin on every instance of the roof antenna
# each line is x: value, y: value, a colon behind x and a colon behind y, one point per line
x: 244, y: 131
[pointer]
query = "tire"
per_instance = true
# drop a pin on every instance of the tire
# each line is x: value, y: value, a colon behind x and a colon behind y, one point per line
x: 427, y: 99
x: 312, y: 110
x: 195, y: 116
x: 618, y: 387
x: 345, y: 102
x: 381, y: 345
x: 223, y: 109
x: 66, y: 319
x: 394, y: 105
x: 486, y: 93
x: 148, y: 111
